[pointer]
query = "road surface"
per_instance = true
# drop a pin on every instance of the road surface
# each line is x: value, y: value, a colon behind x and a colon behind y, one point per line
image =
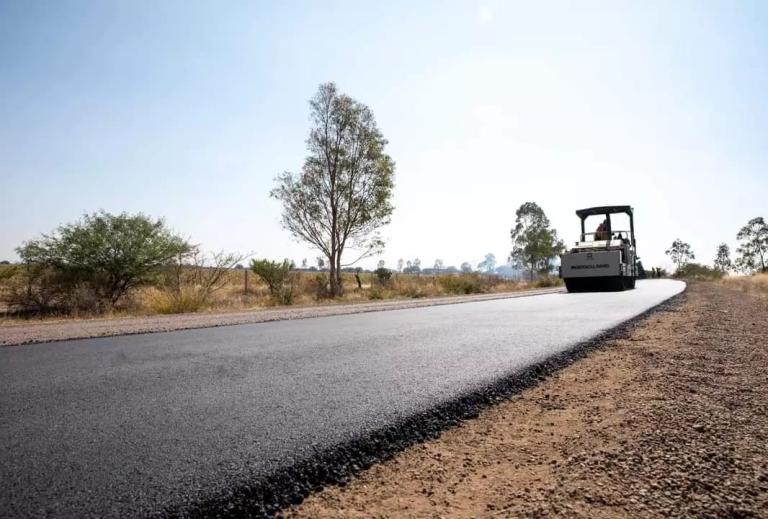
x: 134, y: 424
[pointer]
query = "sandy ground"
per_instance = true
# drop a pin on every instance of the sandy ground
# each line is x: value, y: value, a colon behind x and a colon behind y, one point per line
x: 22, y: 332
x: 671, y: 421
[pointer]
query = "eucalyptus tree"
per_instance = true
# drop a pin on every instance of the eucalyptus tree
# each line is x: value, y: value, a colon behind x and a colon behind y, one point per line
x: 723, y: 258
x: 342, y: 196
x: 534, y: 243
x: 754, y: 244
x: 680, y: 253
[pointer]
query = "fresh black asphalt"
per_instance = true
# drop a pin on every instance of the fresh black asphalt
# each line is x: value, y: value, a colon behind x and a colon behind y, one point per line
x: 147, y: 424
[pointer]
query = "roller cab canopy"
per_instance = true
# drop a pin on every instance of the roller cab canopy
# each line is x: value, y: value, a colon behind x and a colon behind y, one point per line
x: 606, y: 209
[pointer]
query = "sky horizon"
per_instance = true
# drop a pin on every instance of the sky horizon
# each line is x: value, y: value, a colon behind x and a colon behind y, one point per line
x: 188, y: 111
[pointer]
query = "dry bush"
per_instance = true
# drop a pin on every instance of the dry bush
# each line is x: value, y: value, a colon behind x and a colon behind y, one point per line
x: 186, y: 288
x: 755, y: 284
x: 156, y: 301
x: 548, y: 281
x: 191, y: 284
x: 318, y: 286
x: 464, y: 284
x: 37, y: 290
x: 699, y: 272
x: 377, y: 293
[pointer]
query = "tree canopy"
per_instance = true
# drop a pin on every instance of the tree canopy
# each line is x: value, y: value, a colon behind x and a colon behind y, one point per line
x: 534, y: 243
x: 754, y: 247
x: 343, y: 194
x: 680, y: 253
x: 723, y: 258
x: 108, y: 253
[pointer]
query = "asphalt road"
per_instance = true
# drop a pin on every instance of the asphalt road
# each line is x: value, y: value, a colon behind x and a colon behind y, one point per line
x: 129, y: 425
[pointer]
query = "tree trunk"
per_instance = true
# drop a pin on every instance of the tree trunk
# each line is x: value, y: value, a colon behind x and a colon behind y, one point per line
x: 332, y: 278
x: 339, y: 285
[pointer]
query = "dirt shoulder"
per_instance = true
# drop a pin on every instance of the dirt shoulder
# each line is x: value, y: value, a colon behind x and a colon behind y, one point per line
x: 670, y: 421
x: 13, y: 333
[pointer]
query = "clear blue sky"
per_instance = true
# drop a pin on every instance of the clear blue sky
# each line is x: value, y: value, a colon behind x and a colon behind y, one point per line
x: 188, y: 110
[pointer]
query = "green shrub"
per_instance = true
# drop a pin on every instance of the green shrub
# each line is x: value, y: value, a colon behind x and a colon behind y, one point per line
x: 273, y: 273
x: 105, y: 253
x: 383, y: 276
x: 286, y: 295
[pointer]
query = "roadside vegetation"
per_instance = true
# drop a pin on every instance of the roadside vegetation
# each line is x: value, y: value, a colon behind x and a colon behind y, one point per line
x: 535, y: 244
x: 180, y: 288
x: 124, y: 264
x: 749, y: 266
x: 757, y: 284
x: 105, y: 264
x: 342, y: 196
x: 132, y: 264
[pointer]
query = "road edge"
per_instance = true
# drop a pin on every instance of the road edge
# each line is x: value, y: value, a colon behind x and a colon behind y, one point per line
x: 268, y: 495
x: 94, y: 328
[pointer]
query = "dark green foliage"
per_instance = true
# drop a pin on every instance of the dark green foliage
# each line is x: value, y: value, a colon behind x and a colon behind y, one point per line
x: 383, y: 275
x: 273, y: 273
x: 723, y: 258
x: 534, y: 243
x: 102, y: 254
x: 754, y: 245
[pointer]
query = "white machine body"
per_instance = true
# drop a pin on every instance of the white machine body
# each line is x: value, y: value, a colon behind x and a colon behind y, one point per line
x: 607, y: 261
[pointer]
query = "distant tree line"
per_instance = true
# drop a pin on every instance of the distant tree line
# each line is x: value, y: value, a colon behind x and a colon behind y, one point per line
x: 752, y: 253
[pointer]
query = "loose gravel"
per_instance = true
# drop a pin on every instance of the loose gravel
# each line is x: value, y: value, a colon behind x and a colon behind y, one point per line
x: 25, y: 332
x: 670, y: 420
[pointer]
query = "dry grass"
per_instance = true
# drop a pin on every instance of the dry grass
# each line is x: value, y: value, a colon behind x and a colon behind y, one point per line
x: 305, y: 288
x: 756, y: 284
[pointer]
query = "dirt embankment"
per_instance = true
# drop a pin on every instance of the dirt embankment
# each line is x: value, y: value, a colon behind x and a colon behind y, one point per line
x: 670, y: 422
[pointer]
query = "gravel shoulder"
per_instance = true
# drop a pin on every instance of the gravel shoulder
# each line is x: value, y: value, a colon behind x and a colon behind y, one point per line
x: 24, y: 332
x: 669, y: 421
